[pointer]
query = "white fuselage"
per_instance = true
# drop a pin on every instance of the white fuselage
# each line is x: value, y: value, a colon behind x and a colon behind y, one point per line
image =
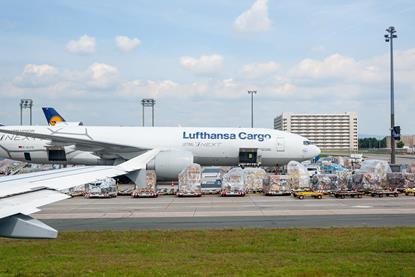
x: 209, y: 146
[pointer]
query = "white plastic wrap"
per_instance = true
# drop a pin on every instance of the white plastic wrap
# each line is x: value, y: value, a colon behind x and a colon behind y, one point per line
x: 325, y: 182
x: 377, y: 167
x: 300, y: 179
x: 254, y: 178
x: 277, y: 184
x: 233, y: 181
x: 106, y: 187
x: 372, y: 175
x: 151, y: 181
x: 190, y: 180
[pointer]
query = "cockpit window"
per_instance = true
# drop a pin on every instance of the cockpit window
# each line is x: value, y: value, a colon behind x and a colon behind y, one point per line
x: 307, y: 142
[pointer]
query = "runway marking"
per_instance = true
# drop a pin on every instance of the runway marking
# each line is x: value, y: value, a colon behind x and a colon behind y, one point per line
x: 358, y: 206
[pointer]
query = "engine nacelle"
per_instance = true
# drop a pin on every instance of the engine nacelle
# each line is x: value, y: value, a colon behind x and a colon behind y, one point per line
x: 168, y: 164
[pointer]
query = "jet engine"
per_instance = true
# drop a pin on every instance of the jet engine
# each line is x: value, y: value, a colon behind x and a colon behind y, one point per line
x: 168, y: 164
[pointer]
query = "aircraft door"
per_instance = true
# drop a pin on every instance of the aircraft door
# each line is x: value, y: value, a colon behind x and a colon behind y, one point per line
x: 280, y: 144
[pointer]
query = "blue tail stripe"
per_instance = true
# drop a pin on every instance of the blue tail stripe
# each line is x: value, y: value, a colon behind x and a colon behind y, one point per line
x: 50, y: 113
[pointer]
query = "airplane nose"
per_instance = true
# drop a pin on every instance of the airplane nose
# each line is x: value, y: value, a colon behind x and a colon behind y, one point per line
x: 316, y: 151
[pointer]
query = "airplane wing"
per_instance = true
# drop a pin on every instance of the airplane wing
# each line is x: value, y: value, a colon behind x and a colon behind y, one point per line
x: 21, y: 195
x: 83, y: 141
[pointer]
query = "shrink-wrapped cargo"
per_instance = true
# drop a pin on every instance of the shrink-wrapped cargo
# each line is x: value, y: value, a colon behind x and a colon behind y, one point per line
x: 324, y: 182
x: 344, y: 180
x: 395, y: 180
x: 409, y: 180
x: 377, y: 167
x: 190, y: 181
x: 366, y: 182
x: 299, y: 176
x: 277, y: 185
x: 372, y: 175
x: 150, y: 187
x: 254, y: 179
x: 233, y: 182
x: 103, y: 188
x: 411, y: 168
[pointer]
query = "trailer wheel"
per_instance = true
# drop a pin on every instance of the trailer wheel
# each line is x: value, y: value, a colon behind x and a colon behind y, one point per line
x: 319, y: 196
x: 343, y: 196
x: 352, y: 196
x: 407, y: 193
x: 396, y: 194
x: 380, y: 195
x: 359, y: 196
x: 301, y: 197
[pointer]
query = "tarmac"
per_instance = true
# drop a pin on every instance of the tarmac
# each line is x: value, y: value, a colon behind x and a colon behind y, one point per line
x: 212, y: 211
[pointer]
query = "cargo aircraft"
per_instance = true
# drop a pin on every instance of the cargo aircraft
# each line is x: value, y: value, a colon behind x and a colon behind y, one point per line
x: 114, y: 151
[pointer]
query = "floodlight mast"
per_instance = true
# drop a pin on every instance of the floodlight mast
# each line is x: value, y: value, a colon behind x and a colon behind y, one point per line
x: 252, y: 92
x: 389, y: 38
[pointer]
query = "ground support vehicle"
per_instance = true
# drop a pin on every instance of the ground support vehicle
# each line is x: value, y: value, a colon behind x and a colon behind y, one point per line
x: 346, y: 193
x: 302, y: 194
x: 409, y: 191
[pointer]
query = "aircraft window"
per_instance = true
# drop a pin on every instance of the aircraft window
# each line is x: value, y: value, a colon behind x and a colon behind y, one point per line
x: 307, y: 142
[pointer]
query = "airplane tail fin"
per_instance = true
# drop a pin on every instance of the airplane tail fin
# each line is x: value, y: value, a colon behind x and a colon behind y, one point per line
x: 52, y: 116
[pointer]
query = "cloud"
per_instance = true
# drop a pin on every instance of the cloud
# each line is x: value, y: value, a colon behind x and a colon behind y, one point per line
x: 258, y: 70
x: 255, y: 19
x: 126, y: 44
x: 204, y: 65
x: 102, y: 76
x: 85, y: 45
x: 337, y: 66
x: 34, y: 75
x: 149, y: 88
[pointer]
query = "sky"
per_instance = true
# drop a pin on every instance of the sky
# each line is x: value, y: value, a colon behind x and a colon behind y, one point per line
x: 95, y: 60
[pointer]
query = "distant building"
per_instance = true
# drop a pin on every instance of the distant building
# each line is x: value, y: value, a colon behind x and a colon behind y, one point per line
x: 332, y: 131
x: 409, y: 141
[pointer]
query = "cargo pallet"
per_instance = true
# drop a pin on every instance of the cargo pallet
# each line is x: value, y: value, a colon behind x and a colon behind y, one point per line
x: 382, y: 193
x: 232, y: 193
x: 144, y: 194
x: 188, y: 194
x: 104, y: 195
x: 344, y: 194
x: 277, y: 193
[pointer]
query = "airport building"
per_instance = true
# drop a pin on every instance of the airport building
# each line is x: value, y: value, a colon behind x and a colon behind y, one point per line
x: 408, y: 140
x: 331, y: 131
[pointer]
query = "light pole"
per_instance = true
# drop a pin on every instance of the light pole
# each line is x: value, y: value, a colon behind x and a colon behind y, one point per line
x: 149, y: 102
x: 25, y: 104
x: 252, y: 92
x: 389, y: 38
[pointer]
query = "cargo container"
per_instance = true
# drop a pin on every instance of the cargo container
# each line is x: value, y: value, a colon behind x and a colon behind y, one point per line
x: 190, y: 181
x: 299, y: 176
x: 105, y: 188
x: 233, y: 183
x: 325, y: 183
x: 212, y: 179
x: 254, y: 179
x: 277, y: 185
x: 150, y: 189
